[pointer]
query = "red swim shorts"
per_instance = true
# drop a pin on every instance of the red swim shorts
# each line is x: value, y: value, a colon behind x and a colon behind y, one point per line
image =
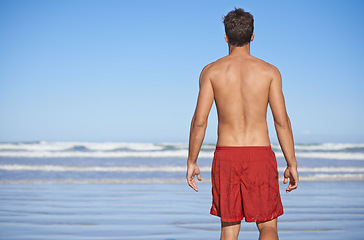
x: 245, y: 184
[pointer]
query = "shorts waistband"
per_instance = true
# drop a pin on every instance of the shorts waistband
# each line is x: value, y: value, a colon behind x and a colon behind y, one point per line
x: 243, y: 148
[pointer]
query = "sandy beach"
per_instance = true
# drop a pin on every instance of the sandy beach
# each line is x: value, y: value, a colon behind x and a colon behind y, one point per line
x: 317, y: 210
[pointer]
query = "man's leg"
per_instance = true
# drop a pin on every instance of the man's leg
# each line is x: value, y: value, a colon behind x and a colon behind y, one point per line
x: 230, y: 230
x: 268, y: 230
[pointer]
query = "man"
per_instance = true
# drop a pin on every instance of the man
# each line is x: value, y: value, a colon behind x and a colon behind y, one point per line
x: 244, y: 171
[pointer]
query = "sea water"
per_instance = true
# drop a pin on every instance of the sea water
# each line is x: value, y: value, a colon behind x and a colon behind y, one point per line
x: 152, y: 200
x: 119, y: 162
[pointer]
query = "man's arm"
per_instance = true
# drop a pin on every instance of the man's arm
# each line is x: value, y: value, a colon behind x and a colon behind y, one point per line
x: 198, y: 126
x: 283, y: 129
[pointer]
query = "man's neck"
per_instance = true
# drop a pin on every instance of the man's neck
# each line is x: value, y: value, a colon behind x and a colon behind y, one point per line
x: 243, y: 50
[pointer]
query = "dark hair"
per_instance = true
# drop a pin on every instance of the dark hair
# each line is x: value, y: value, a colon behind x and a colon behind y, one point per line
x: 239, y: 27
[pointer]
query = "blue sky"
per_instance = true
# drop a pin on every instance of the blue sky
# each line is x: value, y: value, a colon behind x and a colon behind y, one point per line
x: 128, y: 70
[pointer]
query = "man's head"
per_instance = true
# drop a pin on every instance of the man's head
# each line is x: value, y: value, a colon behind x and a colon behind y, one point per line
x: 239, y: 27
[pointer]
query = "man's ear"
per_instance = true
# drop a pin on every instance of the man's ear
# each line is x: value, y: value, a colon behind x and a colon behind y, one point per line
x: 252, y: 38
x: 226, y: 38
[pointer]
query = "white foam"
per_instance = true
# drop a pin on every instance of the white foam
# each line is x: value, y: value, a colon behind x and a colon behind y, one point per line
x: 164, y: 154
x: 40, y: 146
x: 328, y: 146
x: 323, y: 147
x: 62, y: 168
x: 330, y: 155
x: 94, y: 146
x: 108, y: 146
x: 163, y: 150
x: 59, y: 168
x: 326, y: 155
x: 99, y: 154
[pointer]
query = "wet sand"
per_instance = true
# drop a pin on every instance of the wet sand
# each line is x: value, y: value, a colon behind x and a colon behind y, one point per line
x: 317, y: 210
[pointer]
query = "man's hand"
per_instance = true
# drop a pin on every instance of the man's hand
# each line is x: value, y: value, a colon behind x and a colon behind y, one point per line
x: 192, y: 171
x: 291, y: 173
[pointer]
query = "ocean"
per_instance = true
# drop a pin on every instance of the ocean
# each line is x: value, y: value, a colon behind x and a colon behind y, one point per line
x: 120, y: 162
x: 115, y: 190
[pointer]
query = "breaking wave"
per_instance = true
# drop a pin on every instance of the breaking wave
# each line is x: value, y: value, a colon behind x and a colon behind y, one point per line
x: 161, y: 150
x: 60, y: 168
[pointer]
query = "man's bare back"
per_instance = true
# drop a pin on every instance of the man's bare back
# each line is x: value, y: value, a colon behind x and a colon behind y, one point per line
x: 241, y: 86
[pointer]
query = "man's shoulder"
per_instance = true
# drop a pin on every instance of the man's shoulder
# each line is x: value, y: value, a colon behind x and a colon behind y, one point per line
x: 266, y: 66
x: 264, y: 63
x: 223, y: 63
x: 216, y: 65
x: 211, y: 67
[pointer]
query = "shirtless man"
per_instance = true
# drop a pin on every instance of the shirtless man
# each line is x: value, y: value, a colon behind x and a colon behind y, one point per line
x: 244, y: 172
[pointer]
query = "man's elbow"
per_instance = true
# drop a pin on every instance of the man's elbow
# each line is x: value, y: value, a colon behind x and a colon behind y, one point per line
x: 199, y: 123
x: 282, y: 123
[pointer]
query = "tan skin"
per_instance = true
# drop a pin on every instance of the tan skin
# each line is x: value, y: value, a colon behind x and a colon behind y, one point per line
x: 242, y: 86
